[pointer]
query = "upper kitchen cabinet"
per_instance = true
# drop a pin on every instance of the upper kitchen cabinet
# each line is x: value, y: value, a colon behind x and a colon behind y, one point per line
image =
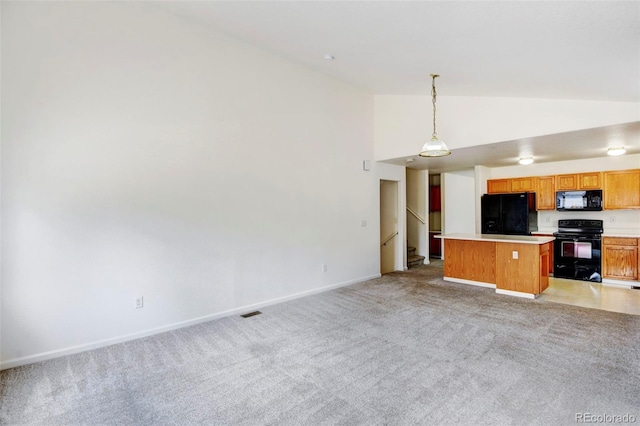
x: 498, y: 186
x: 524, y: 184
x: 573, y: 181
x: 543, y: 186
x: 622, y: 189
x: 546, y: 193
x: 502, y: 186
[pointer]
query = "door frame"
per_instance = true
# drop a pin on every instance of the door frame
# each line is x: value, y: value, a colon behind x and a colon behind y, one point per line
x: 400, y: 252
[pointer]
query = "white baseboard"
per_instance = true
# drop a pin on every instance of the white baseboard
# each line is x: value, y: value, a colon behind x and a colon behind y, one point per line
x: 470, y: 282
x: 44, y: 356
x: 620, y: 283
x: 516, y: 293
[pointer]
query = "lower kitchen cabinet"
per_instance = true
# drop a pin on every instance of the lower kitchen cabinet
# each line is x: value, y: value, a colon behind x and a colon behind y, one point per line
x: 620, y: 258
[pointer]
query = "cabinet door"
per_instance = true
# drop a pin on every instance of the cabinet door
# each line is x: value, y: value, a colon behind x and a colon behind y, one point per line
x: 590, y: 180
x: 622, y: 189
x: 621, y: 262
x: 498, y: 186
x: 524, y: 184
x: 620, y: 258
x: 544, y: 267
x: 567, y: 182
x: 546, y: 193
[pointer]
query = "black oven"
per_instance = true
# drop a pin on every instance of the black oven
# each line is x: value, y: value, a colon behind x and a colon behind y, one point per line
x: 577, y: 250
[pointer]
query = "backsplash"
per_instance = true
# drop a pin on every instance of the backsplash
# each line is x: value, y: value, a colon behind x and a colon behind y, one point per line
x: 615, y: 221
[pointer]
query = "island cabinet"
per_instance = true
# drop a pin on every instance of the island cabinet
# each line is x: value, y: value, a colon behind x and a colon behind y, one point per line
x: 471, y: 260
x: 523, y: 268
x: 576, y: 181
x: 622, y: 189
x: 620, y: 258
x: 512, y: 264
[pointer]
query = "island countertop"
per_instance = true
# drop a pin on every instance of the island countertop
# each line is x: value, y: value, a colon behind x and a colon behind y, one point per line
x: 499, y: 238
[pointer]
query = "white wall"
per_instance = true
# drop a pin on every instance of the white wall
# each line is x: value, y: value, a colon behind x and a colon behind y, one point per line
x: 459, y: 202
x: 404, y: 122
x: 615, y: 221
x: 144, y: 156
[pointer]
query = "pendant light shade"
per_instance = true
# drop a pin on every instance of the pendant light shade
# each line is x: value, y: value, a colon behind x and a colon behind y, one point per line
x: 434, y: 147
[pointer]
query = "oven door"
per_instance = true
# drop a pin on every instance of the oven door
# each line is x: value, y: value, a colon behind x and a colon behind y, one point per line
x: 577, y: 257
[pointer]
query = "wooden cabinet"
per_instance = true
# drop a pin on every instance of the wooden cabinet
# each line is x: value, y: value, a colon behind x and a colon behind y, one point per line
x: 470, y: 260
x: 575, y: 181
x: 542, y: 186
x: 510, y: 266
x: 525, y: 184
x: 545, y: 250
x: 567, y: 182
x: 590, y: 180
x: 498, y: 186
x: 550, y: 250
x: 546, y: 193
x: 620, y: 258
x: 622, y: 189
x: 523, y: 268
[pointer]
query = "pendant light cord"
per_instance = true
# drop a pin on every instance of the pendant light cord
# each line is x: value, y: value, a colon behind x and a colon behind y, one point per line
x: 433, y: 100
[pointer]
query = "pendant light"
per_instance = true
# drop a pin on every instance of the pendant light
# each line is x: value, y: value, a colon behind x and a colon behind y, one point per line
x: 434, y: 147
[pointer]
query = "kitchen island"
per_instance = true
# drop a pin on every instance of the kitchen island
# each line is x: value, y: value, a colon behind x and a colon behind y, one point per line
x: 516, y: 265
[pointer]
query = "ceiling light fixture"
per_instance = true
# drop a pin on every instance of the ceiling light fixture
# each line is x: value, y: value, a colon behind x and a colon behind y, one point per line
x: 618, y: 150
x: 434, y: 147
x: 525, y: 161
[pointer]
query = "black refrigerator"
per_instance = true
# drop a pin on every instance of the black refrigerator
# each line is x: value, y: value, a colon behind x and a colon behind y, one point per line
x: 509, y: 214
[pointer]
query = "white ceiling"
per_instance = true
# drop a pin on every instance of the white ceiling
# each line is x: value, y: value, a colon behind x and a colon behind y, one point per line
x: 581, y: 50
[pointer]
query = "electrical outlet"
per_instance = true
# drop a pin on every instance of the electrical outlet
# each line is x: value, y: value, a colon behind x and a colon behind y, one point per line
x: 514, y: 254
x: 612, y: 219
x: 324, y: 268
x: 139, y: 302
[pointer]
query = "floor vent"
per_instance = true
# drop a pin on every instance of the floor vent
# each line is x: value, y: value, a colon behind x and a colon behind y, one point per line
x: 251, y: 314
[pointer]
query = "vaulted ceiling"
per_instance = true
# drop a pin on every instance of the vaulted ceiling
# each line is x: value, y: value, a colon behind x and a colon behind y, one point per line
x: 580, y: 50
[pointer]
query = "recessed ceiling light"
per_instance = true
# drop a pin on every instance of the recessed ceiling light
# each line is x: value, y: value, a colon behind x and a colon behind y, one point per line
x: 329, y: 57
x: 618, y: 150
x: 525, y: 161
x: 409, y: 160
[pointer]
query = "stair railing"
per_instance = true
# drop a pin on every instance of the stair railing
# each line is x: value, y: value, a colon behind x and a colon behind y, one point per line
x: 416, y: 215
x: 384, y: 243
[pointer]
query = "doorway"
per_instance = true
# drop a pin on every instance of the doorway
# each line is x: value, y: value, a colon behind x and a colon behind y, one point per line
x: 388, y: 225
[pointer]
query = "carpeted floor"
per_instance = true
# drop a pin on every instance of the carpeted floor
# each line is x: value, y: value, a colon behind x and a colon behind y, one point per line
x: 407, y: 348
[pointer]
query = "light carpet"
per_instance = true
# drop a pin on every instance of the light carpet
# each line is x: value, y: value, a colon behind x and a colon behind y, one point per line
x: 407, y: 348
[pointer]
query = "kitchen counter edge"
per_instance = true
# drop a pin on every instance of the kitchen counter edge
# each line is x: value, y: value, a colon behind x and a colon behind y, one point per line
x: 498, y: 238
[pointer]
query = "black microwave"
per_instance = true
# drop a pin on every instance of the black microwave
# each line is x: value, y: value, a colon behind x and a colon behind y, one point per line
x: 579, y: 200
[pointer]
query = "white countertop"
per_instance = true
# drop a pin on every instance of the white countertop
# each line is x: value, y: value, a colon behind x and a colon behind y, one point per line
x: 621, y: 234
x: 521, y: 239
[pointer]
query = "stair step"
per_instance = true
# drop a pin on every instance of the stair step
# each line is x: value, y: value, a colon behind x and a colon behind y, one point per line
x: 415, y: 260
x: 411, y: 251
